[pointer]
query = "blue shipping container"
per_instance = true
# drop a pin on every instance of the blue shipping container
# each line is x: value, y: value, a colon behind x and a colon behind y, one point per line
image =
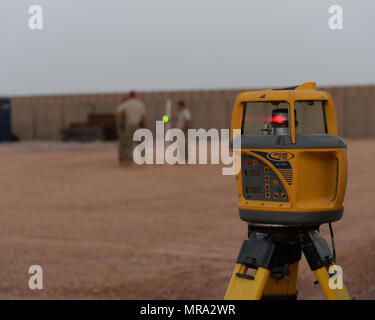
x: 5, y: 120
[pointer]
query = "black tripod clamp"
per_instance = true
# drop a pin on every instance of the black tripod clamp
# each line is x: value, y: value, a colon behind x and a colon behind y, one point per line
x: 274, y: 247
x: 316, y: 250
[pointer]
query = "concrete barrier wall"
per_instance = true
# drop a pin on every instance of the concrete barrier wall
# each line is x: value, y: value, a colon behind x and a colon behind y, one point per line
x: 43, y: 117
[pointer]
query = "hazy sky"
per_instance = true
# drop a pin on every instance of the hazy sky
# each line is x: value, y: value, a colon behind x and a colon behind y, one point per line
x: 112, y: 45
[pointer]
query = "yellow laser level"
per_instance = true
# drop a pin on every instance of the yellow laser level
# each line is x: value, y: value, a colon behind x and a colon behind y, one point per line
x: 292, y: 179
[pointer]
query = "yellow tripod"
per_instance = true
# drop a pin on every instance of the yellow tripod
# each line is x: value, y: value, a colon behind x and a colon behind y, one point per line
x: 273, y: 254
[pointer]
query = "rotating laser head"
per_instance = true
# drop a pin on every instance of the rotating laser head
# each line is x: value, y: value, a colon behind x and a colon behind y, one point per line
x: 280, y: 121
x: 293, y: 172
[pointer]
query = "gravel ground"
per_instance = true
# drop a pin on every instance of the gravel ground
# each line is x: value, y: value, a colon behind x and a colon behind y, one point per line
x: 154, y: 232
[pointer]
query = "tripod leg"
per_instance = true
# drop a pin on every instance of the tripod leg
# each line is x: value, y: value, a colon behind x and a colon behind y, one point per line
x: 320, y: 259
x: 257, y: 254
x: 331, y: 294
x: 246, y: 287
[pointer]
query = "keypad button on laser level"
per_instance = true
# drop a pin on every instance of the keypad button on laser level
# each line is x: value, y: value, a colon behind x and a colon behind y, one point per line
x: 266, y: 169
x: 255, y: 162
x: 276, y: 195
x: 275, y: 183
x: 268, y: 195
x: 284, y: 196
x: 267, y: 186
x: 266, y: 177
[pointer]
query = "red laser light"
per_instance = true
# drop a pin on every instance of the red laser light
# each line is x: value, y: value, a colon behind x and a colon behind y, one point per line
x: 278, y: 119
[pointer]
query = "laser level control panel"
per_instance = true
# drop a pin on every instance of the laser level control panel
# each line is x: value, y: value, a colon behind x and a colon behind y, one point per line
x: 260, y: 182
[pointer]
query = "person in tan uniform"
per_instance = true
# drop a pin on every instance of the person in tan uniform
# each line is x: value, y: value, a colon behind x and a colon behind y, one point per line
x: 130, y: 116
x: 183, y: 118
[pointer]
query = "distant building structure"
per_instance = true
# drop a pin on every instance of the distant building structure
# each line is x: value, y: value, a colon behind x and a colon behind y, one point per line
x: 43, y: 117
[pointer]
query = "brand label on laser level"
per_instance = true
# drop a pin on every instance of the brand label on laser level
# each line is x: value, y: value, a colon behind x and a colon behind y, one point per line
x: 280, y: 156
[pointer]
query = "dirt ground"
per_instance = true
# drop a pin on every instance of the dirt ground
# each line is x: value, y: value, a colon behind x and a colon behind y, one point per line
x: 151, y: 232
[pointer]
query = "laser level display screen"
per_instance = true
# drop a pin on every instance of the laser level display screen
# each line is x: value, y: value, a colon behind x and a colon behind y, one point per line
x: 251, y: 189
x: 252, y: 172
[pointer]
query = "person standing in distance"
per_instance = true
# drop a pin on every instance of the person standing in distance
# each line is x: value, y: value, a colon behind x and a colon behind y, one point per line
x: 130, y: 116
x: 183, y: 122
